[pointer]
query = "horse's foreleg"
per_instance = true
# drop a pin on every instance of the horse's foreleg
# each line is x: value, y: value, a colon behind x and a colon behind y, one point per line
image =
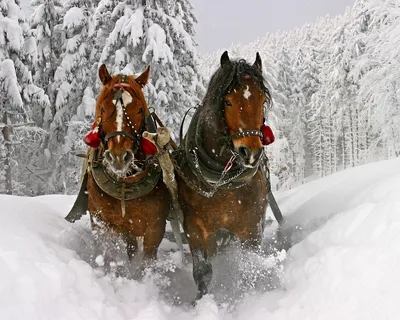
x: 131, y: 245
x: 105, y: 241
x: 202, y: 271
x: 202, y: 249
x: 152, y: 239
x: 251, y: 241
x: 178, y: 238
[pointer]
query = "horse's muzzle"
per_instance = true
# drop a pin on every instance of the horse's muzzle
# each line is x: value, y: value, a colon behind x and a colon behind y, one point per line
x: 249, y: 157
x: 119, y: 164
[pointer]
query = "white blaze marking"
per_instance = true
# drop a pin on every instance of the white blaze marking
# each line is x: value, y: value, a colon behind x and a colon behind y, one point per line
x: 119, y: 118
x: 246, y: 93
x: 127, y: 99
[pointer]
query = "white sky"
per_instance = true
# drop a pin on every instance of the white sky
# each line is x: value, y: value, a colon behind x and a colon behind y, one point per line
x: 224, y: 22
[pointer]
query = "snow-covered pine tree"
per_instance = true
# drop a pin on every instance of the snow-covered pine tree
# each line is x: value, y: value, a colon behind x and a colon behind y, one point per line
x: 308, y: 79
x: 282, y: 93
x: 296, y: 108
x: 10, y: 104
x: 187, y: 59
x: 381, y: 74
x: 72, y: 77
x: 20, y: 96
x: 103, y: 24
x: 46, y: 22
x: 158, y: 33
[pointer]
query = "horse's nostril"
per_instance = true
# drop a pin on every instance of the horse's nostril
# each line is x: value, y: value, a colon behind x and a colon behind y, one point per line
x: 109, y: 156
x: 127, y: 156
x: 244, y: 152
x: 248, y: 155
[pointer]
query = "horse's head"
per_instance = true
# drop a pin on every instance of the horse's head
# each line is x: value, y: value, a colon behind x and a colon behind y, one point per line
x: 121, y: 113
x: 243, y: 107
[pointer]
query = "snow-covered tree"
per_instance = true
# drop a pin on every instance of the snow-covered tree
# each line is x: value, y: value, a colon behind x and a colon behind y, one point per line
x: 10, y: 105
x: 46, y: 25
x: 20, y: 97
x: 72, y: 77
x: 158, y: 33
x: 380, y: 83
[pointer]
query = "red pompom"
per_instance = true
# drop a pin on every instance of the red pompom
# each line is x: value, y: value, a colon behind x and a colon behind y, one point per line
x: 148, y: 147
x: 92, y: 139
x: 268, y: 135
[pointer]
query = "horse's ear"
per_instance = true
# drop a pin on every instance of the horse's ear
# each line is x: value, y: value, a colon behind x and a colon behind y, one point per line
x: 104, y: 75
x: 258, y: 63
x: 144, y: 77
x: 225, y: 59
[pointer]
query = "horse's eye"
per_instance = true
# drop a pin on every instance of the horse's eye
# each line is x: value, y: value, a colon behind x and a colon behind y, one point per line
x: 228, y: 103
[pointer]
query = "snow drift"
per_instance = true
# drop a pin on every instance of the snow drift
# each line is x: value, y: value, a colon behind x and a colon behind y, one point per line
x: 343, y: 265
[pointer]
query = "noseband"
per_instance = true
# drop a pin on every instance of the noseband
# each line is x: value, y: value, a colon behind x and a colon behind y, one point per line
x: 245, y: 133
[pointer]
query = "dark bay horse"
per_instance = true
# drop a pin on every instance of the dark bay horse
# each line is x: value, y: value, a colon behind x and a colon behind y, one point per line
x: 221, y: 181
x: 124, y: 186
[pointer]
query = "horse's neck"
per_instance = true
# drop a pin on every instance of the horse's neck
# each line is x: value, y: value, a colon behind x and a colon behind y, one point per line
x: 205, y: 136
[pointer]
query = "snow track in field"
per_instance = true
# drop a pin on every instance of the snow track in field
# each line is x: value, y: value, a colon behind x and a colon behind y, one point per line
x: 343, y: 265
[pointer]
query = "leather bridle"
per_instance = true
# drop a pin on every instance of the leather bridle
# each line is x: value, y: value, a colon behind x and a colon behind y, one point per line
x: 135, y: 137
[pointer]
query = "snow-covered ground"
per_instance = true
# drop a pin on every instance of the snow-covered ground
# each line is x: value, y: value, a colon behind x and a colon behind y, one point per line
x: 345, y: 263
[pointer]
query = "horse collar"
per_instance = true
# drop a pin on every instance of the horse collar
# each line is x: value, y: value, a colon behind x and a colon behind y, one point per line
x: 226, y: 176
x: 122, y: 191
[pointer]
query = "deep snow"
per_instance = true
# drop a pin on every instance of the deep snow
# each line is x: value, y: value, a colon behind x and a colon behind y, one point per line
x: 344, y: 264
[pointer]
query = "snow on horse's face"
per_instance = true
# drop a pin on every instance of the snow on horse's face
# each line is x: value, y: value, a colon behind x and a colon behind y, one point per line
x: 243, y: 112
x: 121, y: 111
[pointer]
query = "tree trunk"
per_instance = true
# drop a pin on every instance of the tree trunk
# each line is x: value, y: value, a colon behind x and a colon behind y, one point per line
x: 7, y: 160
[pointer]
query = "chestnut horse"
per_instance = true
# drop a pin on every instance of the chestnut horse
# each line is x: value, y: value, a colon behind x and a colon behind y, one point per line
x: 222, y: 183
x: 124, y: 186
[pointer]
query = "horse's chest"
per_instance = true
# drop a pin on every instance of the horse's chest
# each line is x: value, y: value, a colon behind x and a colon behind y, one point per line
x: 139, y: 213
x: 228, y: 208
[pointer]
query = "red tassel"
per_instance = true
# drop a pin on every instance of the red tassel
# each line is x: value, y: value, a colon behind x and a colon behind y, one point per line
x: 268, y: 136
x: 148, y: 147
x: 92, y: 139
